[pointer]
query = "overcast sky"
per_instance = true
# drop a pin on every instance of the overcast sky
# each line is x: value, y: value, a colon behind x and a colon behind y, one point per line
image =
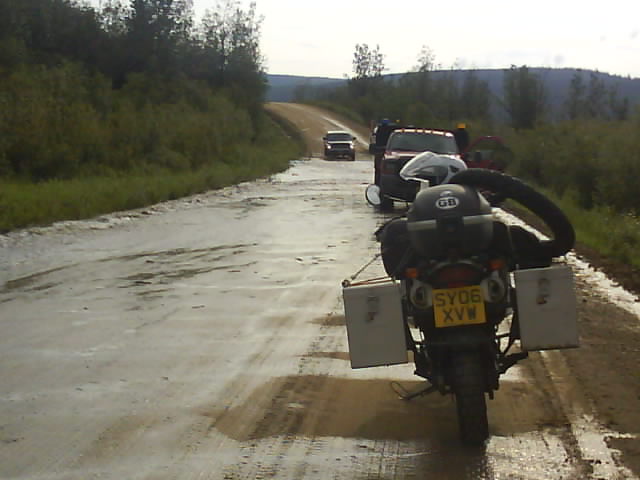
x: 318, y: 37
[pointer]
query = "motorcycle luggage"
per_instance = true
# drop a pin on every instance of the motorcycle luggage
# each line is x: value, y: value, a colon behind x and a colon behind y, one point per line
x: 449, y: 216
x: 395, y: 247
x: 375, y: 327
x: 546, y: 304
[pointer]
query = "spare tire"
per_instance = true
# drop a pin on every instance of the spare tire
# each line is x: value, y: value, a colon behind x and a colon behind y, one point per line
x: 510, y: 187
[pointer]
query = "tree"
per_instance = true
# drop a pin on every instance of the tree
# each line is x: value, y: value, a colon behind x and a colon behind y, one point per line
x: 596, y: 99
x: 446, y: 100
x: 366, y: 84
x: 158, y: 32
x: 367, y: 62
x: 575, y: 103
x: 524, y: 97
x: 426, y: 60
x: 113, y: 18
x: 231, y: 53
x: 474, y: 97
x: 420, y: 80
x: 619, y: 108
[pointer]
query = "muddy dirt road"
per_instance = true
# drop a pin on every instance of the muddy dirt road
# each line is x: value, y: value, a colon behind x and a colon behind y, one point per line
x: 204, y: 338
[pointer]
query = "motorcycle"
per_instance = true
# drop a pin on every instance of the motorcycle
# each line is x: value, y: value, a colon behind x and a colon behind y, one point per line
x: 467, y: 293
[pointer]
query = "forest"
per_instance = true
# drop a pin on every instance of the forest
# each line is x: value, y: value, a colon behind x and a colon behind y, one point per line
x: 119, y: 107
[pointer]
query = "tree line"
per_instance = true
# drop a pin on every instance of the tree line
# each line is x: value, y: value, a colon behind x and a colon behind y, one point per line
x: 135, y: 84
x: 428, y: 94
x: 588, y: 151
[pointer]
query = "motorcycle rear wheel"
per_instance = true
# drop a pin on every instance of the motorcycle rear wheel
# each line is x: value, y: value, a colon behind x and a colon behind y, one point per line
x: 469, y: 387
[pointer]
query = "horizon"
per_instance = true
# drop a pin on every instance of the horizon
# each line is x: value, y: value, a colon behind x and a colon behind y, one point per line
x: 627, y: 77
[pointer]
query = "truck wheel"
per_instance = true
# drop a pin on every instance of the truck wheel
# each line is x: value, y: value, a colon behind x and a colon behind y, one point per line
x: 353, y: 157
x: 386, y: 204
x: 469, y: 386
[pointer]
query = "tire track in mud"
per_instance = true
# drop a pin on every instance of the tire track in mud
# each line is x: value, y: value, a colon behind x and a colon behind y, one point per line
x: 298, y: 432
x: 277, y: 431
x: 312, y: 427
x: 282, y: 443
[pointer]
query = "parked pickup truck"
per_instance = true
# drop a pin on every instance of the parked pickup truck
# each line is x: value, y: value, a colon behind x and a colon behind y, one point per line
x: 404, y: 143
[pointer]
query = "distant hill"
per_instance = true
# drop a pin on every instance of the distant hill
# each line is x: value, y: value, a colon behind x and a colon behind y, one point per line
x: 282, y: 88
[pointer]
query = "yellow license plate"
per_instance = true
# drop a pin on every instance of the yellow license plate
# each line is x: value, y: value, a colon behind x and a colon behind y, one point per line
x: 458, y: 306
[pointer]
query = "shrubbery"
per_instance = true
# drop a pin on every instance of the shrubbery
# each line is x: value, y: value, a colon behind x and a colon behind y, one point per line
x: 595, y: 162
x: 61, y: 123
x: 133, y: 104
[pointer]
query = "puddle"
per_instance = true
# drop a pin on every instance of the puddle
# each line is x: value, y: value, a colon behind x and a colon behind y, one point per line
x: 593, y: 440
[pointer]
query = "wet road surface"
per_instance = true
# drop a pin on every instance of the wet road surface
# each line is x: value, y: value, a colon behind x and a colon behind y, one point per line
x: 204, y: 338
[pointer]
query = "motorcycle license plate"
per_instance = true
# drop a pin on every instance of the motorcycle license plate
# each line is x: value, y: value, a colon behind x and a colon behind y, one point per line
x: 458, y: 306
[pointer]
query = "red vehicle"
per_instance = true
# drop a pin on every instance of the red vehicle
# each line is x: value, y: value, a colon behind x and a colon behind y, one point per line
x: 487, y: 152
x: 405, y: 143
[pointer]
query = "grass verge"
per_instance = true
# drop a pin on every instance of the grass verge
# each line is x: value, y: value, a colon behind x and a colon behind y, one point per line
x: 611, y: 234
x: 25, y: 204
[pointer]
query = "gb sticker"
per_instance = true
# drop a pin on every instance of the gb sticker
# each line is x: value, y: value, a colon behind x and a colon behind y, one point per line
x: 447, y: 203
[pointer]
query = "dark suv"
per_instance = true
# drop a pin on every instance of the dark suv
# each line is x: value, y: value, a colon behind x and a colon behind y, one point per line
x: 339, y: 144
x: 402, y: 146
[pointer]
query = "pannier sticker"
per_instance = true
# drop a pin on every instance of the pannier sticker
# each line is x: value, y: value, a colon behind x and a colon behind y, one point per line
x: 447, y: 203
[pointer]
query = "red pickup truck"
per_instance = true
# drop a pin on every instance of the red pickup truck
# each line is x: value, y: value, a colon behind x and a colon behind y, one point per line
x: 404, y: 143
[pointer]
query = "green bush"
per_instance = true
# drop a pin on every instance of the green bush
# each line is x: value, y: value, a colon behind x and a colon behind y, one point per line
x: 24, y: 203
x: 71, y: 147
x: 591, y: 168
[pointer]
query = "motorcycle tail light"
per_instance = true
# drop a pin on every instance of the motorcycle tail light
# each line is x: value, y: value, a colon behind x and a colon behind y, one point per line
x: 497, y: 264
x: 411, y: 273
x: 458, y: 275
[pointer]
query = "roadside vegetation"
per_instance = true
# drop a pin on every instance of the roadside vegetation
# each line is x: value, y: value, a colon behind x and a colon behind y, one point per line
x: 135, y: 103
x: 590, y: 167
x: 586, y: 156
x: 130, y: 105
